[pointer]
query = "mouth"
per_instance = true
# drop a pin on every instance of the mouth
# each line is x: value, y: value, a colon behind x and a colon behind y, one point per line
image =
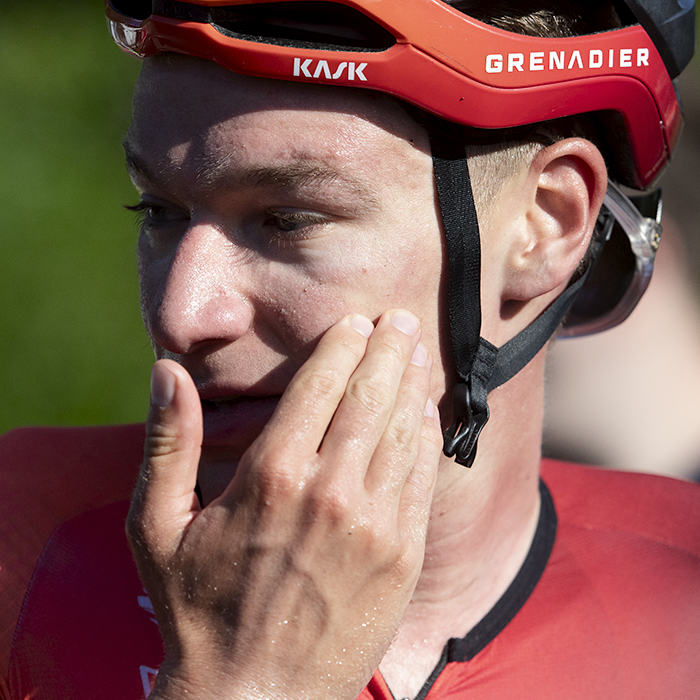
x: 234, y: 419
x: 227, y: 401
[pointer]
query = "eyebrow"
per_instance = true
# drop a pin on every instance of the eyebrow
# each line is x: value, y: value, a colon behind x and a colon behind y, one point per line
x: 300, y: 173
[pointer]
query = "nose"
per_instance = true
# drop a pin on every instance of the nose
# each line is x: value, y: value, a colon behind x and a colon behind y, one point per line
x: 194, y: 296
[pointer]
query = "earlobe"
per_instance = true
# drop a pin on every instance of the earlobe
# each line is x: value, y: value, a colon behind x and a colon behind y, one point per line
x: 565, y: 187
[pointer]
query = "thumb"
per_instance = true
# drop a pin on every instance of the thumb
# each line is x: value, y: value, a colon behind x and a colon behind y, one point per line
x: 164, y: 501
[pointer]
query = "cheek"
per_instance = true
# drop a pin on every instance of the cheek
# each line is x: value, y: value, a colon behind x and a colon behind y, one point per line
x: 149, y: 281
x: 368, y: 278
x: 153, y: 276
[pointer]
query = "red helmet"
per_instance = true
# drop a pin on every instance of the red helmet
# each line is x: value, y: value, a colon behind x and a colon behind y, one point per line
x: 466, y: 72
x: 440, y: 60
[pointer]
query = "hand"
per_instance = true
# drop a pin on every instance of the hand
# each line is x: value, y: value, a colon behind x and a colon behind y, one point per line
x: 293, y: 582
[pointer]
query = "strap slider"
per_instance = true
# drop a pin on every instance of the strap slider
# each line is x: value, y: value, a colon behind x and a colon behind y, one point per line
x: 461, y: 437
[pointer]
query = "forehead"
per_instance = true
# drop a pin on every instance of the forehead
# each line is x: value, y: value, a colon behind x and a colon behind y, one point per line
x: 190, y: 111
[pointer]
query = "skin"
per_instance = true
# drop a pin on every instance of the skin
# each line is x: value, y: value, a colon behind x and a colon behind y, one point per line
x: 311, y: 563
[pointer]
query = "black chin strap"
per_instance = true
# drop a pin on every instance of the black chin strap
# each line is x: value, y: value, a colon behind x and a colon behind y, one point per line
x: 481, y: 366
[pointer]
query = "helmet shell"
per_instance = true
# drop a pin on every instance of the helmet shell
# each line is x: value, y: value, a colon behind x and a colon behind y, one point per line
x: 438, y: 59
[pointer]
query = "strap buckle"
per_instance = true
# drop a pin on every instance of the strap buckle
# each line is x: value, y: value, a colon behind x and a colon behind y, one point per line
x: 461, y: 437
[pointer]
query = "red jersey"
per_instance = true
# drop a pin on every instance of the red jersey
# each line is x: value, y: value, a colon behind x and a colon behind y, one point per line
x: 606, y: 605
x: 47, y: 476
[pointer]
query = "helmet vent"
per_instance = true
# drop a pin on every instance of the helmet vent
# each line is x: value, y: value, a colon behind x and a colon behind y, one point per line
x: 136, y: 9
x: 311, y: 25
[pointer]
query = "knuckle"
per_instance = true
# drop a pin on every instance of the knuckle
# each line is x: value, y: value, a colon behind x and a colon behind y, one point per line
x: 394, y: 547
x: 276, y: 484
x: 406, y: 564
x: 330, y: 505
x: 159, y: 441
x: 353, y: 344
x: 160, y: 445
x: 421, y: 479
x: 433, y: 438
x: 393, y: 347
x: 335, y: 500
x: 377, y: 534
x: 324, y: 384
x: 276, y: 476
x: 371, y: 393
x: 401, y: 435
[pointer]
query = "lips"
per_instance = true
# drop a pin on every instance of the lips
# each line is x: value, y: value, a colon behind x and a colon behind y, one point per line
x: 235, y: 420
x: 223, y: 402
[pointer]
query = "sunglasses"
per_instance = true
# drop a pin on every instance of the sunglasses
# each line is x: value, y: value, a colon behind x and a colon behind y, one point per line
x: 627, y: 235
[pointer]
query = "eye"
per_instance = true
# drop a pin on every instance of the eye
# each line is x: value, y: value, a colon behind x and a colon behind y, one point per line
x: 285, y: 224
x: 293, y: 220
x: 154, y: 214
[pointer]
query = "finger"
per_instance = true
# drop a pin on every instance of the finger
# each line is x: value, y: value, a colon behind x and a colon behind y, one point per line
x: 366, y: 407
x: 417, y: 492
x: 164, y: 501
x: 312, y: 397
x: 399, y: 445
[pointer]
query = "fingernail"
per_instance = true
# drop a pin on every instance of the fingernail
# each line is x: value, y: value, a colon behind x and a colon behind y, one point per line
x: 420, y: 356
x: 162, y: 386
x: 405, y: 322
x: 362, y: 325
x: 429, y: 408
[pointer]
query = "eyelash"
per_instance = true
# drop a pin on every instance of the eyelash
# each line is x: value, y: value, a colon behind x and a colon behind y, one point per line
x: 146, y: 210
x: 137, y: 208
x: 301, y: 222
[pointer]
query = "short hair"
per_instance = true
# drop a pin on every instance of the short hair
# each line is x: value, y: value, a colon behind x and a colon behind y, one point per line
x: 492, y: 162
x: 545, y: 18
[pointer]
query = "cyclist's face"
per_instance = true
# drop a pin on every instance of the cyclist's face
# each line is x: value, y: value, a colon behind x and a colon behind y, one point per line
x: 271, y: 210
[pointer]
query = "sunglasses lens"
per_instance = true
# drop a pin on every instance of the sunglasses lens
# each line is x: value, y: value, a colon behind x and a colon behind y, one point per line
x: 607, y: 283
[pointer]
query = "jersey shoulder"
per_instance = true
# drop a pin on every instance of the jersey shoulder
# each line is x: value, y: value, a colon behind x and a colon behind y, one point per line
x: 47, y: 476
x: 616, y: 611
x: 660, y: 509
x: 84, y: 585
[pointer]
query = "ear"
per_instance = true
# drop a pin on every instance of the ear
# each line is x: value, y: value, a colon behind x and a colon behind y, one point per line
x: 564, y: 189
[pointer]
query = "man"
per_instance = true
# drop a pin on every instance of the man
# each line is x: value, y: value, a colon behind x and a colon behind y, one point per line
x: 320, y: 319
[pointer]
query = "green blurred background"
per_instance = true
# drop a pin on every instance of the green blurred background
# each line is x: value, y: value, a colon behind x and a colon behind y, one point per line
x: 72, y: 349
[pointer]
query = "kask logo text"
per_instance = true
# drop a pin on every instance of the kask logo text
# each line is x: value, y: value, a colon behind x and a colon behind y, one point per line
x: 316, y: 69
x: 565, y: 60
